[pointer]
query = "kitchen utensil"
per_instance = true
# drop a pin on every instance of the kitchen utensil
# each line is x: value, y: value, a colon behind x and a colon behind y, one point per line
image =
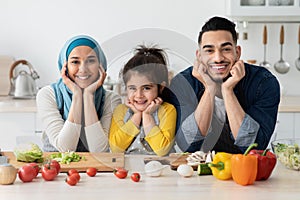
x: 105, y: 162
x: 282, y: 66
x: 8, y: 174
x: 265, y: 63
x: 297, y: 62
x: 23, y: 84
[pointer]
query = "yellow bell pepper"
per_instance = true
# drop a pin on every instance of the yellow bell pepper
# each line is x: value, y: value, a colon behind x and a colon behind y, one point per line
x: 221, y: 166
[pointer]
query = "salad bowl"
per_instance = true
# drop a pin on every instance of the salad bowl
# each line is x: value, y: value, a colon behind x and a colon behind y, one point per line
x: 288, y: 152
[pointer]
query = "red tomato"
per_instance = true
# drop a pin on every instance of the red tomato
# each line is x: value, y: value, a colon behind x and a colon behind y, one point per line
x: 55, y: 164
x: 71, y: 180
x: 72, y: 171
x: 49, y: 172
x: 135, y: 177
x: 91, y: 171
x: 36, y: 167
x: 27, y: 173
x: 120, y: 173
x: 77, y: 176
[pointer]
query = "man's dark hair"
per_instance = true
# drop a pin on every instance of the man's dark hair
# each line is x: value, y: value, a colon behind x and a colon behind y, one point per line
x: 217, y: 24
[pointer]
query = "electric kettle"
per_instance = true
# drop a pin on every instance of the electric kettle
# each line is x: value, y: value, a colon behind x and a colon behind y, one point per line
x: 23, y: 84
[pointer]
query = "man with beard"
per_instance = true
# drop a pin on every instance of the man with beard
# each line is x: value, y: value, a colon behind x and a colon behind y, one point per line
x: 222, y: 103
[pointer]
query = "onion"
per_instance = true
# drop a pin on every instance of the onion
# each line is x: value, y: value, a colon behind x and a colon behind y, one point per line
x: 185, y: 170
x: 153, y: 168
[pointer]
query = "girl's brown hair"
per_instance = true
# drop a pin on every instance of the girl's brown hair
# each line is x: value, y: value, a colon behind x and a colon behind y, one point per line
x: 150, y: 62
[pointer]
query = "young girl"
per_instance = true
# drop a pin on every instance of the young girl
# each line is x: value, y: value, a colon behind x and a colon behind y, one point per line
x: 144, y: 124
x: 76, y: 111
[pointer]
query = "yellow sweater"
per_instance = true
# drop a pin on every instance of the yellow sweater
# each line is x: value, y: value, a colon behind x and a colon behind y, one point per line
x: 160, y: 138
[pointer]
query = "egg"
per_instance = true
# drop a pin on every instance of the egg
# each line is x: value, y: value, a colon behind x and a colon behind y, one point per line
x: 185, y: 170
x: 153, y: 168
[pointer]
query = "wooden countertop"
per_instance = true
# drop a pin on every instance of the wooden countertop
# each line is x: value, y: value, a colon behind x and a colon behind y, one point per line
x: 9, y: 104
x: 283, y: 184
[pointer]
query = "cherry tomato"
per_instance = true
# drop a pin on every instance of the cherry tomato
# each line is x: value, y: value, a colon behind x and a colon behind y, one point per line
x: 135, y: 177
x: 120, y: 173
x: 71, y: 180
x: 91, y: 171
x: 77, y: 176
x: 36, y: 167
x: 72, y: 171
x: 55, y: 163
x: 48, y: 172
x: 27, y: 173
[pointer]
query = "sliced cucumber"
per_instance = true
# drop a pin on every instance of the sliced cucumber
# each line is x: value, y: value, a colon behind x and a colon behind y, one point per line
x: 204, y: 169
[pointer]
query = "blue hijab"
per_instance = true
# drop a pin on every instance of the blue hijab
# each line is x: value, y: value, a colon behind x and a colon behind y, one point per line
x: 62, y: 93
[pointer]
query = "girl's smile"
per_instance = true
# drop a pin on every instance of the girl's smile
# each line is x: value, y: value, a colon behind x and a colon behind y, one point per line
x: 141, y: 92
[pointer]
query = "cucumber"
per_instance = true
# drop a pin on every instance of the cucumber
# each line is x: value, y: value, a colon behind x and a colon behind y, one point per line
x: 204, y: 169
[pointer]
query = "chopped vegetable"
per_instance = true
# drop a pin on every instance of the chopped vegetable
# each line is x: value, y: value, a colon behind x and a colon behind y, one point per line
x: 66, y: 157
x: 204, y: 169
x: 29, y: 153
x: 289, y: 155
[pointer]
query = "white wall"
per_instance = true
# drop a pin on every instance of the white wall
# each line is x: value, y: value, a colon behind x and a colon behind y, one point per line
x: 36, y: 29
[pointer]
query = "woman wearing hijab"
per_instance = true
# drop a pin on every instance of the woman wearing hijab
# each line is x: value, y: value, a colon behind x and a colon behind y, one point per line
x: 76, y: 110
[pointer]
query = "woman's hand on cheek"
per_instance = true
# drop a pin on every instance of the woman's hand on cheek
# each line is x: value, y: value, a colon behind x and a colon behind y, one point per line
x: 67, y: 81
x: 153, y: 106
x: 98, y: 83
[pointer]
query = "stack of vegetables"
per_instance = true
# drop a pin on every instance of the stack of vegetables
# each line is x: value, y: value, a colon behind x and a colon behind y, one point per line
x: 244, y: 169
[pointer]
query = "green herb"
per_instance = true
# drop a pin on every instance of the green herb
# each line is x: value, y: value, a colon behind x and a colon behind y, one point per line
x: 67, y: 157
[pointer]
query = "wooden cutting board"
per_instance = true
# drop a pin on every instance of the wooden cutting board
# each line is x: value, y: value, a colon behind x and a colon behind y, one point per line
x: 104, y: 162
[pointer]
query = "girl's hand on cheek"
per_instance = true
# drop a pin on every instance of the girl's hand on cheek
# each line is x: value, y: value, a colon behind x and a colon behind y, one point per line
x: 130, y: 105
x: 153, y: 106
x: 67, y: 81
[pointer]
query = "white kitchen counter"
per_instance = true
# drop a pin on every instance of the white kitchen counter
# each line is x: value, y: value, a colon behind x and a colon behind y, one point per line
x: 9, y: 104
x: 283, y: 184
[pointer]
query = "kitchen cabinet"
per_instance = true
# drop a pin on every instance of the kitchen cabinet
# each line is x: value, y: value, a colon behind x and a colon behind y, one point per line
x: 263, y: 10
x: 288, y: 125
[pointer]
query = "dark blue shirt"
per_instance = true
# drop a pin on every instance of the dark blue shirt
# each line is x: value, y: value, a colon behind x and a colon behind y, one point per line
x: 258, y: 92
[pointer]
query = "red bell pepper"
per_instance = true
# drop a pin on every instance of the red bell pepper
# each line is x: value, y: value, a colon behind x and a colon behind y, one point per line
x: 266, y: 163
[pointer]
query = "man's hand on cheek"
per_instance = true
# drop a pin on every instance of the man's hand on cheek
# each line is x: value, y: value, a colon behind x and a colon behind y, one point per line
x: 237, y: 72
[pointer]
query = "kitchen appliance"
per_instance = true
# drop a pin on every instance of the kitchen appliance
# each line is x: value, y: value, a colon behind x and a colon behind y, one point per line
x: 265, y: 63
x: 23, y: 84
x: 282, y: 66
